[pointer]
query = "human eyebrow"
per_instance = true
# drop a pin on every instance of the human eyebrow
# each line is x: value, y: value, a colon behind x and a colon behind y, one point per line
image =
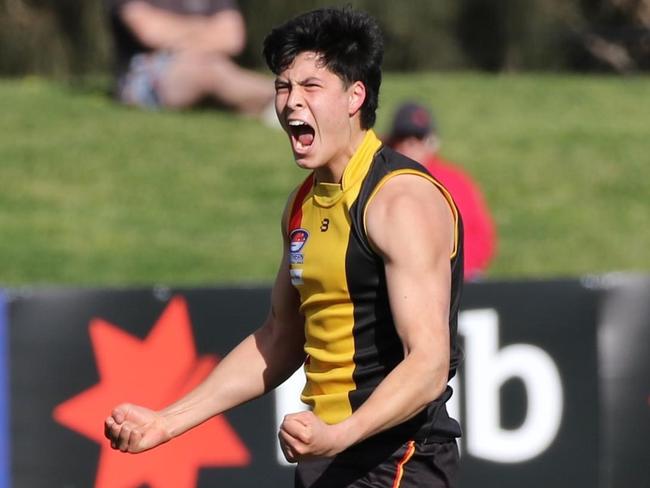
x: 311, y: 81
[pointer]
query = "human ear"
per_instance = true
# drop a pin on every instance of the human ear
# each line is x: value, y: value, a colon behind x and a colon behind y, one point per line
x: 356, y: 98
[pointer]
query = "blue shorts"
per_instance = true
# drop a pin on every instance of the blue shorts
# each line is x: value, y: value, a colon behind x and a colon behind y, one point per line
x: 139, y: 85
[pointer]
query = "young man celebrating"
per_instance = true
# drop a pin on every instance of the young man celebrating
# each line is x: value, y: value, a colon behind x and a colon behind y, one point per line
x: 367, y: 293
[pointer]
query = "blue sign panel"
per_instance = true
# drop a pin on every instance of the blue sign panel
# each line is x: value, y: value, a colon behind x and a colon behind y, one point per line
x: 4, y: 395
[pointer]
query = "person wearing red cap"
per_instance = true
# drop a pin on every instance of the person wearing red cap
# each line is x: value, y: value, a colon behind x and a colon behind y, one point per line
x: 414, y: 133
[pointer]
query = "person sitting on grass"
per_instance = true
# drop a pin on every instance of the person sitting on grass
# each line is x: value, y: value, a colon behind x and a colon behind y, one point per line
x: 178, y: 53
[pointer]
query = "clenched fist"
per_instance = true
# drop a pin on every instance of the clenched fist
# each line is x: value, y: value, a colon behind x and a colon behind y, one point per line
x: 132, y: 428
x: 303, y: 435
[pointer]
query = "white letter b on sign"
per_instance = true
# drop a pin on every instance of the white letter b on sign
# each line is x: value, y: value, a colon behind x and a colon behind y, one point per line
x: 487, y: 368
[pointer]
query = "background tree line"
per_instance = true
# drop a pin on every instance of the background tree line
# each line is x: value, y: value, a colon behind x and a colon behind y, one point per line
x: 65, y: 38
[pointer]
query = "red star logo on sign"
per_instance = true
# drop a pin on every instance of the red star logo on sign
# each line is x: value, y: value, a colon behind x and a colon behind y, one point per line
x: 152, y: 372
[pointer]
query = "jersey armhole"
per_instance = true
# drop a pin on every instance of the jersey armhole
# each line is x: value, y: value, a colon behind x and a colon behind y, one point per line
x: 442, y: 189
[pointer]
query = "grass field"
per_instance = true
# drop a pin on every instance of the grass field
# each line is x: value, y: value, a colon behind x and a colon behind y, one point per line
x: 95, y: 194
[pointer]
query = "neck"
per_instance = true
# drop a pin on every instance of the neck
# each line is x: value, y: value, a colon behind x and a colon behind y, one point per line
x: 332, y: 172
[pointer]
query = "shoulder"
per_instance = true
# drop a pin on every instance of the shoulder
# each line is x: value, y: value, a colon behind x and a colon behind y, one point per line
x: 391, y: 160
x: 398, y: 181
x: 386, y: 166
x: 409, y: 207
x: 294, y: 202
x: 408, y: 194
x: 300, y: 192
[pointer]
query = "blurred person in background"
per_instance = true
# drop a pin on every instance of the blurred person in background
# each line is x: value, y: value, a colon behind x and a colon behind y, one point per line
x: 178, y: 53
x: 414, y: 133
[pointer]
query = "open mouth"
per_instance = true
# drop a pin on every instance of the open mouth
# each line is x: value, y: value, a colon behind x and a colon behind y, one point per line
x: 302, y: 134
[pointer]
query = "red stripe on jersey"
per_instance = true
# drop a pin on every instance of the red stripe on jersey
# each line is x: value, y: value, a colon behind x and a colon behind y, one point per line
x: 296, y: 211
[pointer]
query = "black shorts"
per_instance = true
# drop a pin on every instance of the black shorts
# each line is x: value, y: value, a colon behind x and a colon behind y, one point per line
x: 410, y: 465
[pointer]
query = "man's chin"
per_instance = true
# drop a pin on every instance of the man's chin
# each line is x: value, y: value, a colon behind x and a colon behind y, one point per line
x: 305, y: 161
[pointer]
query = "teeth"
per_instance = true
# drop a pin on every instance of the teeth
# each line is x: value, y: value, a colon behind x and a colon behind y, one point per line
x: 296, y: 123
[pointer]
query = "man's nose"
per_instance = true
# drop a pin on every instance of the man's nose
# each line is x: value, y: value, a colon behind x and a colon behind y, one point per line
x: 295, y: 99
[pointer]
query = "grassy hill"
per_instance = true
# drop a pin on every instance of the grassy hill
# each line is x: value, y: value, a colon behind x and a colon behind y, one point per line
x: 95, y: 194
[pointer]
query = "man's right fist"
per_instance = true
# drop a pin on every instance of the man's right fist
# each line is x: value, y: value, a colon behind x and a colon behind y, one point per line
x: 132, y: 428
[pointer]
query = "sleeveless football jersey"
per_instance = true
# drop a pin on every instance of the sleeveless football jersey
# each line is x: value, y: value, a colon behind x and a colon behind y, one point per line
x: 351, y: 341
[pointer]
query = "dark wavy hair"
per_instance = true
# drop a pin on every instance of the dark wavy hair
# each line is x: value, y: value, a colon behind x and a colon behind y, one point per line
x: 349, y: 42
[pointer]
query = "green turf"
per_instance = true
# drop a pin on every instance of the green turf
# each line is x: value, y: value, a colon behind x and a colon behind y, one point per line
x: 95, y: 194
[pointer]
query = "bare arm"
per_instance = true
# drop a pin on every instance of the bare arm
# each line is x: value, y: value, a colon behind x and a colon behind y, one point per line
x: 258, y: 364
x: 222, y: 33
x: 410, y: 224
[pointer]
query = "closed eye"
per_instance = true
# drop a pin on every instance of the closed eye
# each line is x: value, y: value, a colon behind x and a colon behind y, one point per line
x: 311, y: 83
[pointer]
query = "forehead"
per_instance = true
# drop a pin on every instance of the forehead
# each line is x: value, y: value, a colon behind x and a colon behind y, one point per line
x: 307, y: 64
